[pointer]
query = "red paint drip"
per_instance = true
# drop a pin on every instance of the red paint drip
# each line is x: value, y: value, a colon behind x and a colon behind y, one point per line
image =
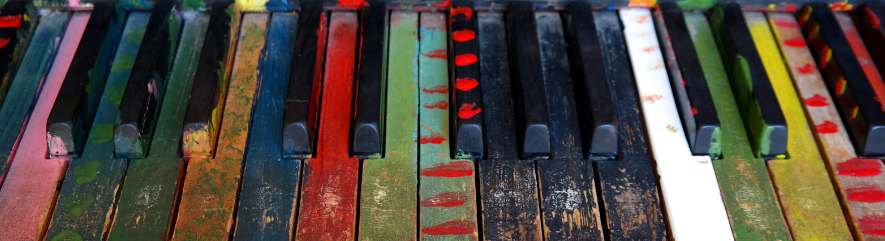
x: 807, y: 69
x: 436, y: 54
x: 459, y: 227
x: 447, y: 3
x: 434, y: 138
x: 872, y: 225
x: 442, y: 104
x: 694, y: 111
x: 4, y: 42
x: 870, y: 194
x: 785, y: 24
x: 462, y: 10
x: 451, y: 169
x: 465, y: 59
x: 828, y: 127
x: 463, y: 35
x: 11, y: 21
x: 816, y: 101
x: 683, y: 83
x: 795, y: 42
x: 860, y: 167
x: 872, y: 18
x: 466, y: 111
x: 352, y: 3
x: 465, y: 84
x: 442, y: 89
x: 447, y: 199
x: 790, y: 8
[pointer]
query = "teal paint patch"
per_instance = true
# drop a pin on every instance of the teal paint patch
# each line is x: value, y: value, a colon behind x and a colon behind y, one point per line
x: 87, y: 171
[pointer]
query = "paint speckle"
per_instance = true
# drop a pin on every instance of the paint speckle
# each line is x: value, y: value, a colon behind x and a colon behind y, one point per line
x: 463, y: 35
x: 694, y: 111
x: 458, y: 227
x: 785, y: 24
x: 442, y: 104
x: 807, y: 69
x: 870, y: 194
x: 451, y: 169
x: 465, y: 59
x: 441, y: 89
x: 433, y: 138
x: 828, y: 127
x: 11, y: 21
x: 795, y: 42
x: 466, y: 111
x: 651, y: 98
x: 465, y: 84
x: 462, y: 10
x: 860, y: 167
x: 436, y: 54
x: 352, y: 3
x: 448, y: 199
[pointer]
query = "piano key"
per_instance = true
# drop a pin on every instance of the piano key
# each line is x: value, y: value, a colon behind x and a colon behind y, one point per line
x: 93, y: 179
x: 206, y: 104
x: 222, y: 173
x: 868, y: 20
x: 568, y: 215
x: 24, y: 89
x: 688, y: 183
x: 447, y: 198
x: 333, y: 173
x: 371, y: 82
x: 801, y: 179
x: 157, y: 176
x: 628, y: 182
x: 530, y: 108
x: 846, y: 23
x: 830, y: 132
x: 305, y: 83
x: 855, y: 96
x: 700, y: 121
x: 764, y: 120
x: 19, y: 14
x: 508, y: 186
x: 270, y: 183
x: 467, y: 94
x: 599, y: 131
x: 70, y: 121
x: 740, y: 174
x: 141, y: 100
x: 29, y: 189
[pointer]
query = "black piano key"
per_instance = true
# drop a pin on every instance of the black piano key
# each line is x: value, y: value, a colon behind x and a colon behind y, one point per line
x: 71, y: 117
x: 305, y: 82
x: 868, y: 20
x: 695, y: 104
x: 139, y: 107
x: 529, y: 102
x: 499, y: 137
x: 598, y: 122
x: 16, y: 41
x: 759, y: 106
x: 368, y: 122
x: 847, y: 82
x: 467, y: 94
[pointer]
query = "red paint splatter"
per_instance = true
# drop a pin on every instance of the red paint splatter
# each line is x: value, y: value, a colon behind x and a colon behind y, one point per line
x: 872, y: 225
x: 465, y: 84
x: 790, y: 8
x: 807, y: 69
x: 352, y: 3
x: 840, y: 6
x: 459, y: 227
x: 446, y: 199
x: 795, y: 42
x: 434, y: 138
x: 872, y: 18
x: 436, y: 54
x: 11, y: 21
x: 465, y: 59
x: 451, y: 169
x: 466, y: 111
x: 442, y: 89
x: 463, y: 35
x: 447, y: 3
x: 870, y: 194
x: 4, y: 42
x: 683, y: 83
x: 816, y: 101
x: 828, y: 127
x: 694, y: 111
x: 785, y: 23
x: 860, y: 167
x: 462, y: 10
x: 442, y: 104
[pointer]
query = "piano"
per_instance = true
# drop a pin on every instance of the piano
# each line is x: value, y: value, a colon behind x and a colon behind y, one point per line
x: 442, y: 120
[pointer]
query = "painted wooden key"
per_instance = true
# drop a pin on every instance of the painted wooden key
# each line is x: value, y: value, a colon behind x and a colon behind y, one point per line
x: 566, y: 181
x: 14, y: 39
x: 30, y: 187
x: 807, y: 197
x: 529, y: 103
x: 858, y: 192
x: 329, y: 187
x: 92, y: 180
x: 466, y: 112
x: 369, y: 117
x: 869, y: 26
x: 691, y: 195
x: 158, y: 175
x: 270, y: 183
x: 747, y: 191
x: 763, y: 119
x: 305, y: 83
x: 447, y: 194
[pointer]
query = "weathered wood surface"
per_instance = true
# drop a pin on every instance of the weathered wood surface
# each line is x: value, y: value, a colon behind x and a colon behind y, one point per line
x: 467, y: 95
x: 330, y: 183
x: 305, y: 83
x: 209, y: 192
x: 447, y: 198
x: 810, y: 205
x: 743, y: 178
x: 688, y: 184
x: 529, y: 103
x: 149, y: 194
x: 566, y: 181
x: 369, y: 118
x: 25, y: 88
x: 17, y: 36
x: 89, y: 192
x: 388, y: 205
x: 28, y: 194
x: 628, y: 185
x: 269, y: 193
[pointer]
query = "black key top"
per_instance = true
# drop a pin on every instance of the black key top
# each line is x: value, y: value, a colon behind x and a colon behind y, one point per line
x: 759, y: 106
x: 467, y: 94
x: 305, y: 83
x: 693, y: 98
x: 144, y: 91
x: 847, y: 82
x: 15, y: 11
x: 70, y: 121
x: 529, y: 102
x: 599, y: 131
x: 368, y: 123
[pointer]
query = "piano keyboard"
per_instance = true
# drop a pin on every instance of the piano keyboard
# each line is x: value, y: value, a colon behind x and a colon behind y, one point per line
x: 375, y: 120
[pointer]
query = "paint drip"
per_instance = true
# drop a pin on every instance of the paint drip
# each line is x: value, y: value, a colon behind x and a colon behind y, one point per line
x: 465, y: 59
x: 870, y: 194
x: 466, y: 111
x: 828, y: 127
x: 465, y: 84
x: 447, y: 199
x: 860, y: 167
x: 451, y: 169
x: 463, y: 35
x: 459, y: 227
